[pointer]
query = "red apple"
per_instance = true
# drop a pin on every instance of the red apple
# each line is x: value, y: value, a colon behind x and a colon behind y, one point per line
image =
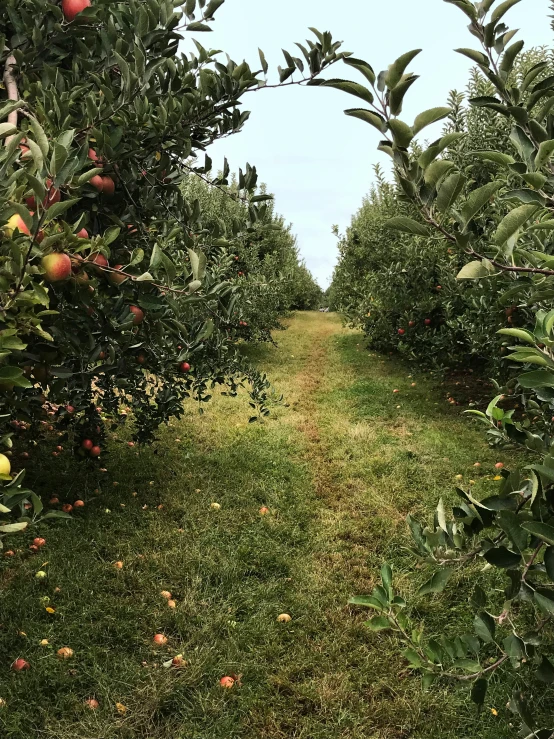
x: 160, y: 639
x: 87, y: 444
x: 70, y: 409
x: 184, y: 367
x: 401, y: 332
x: 411, y: 324
x: 39, y: 541
x: 92, y: 703
x: 141, y: 359
x: 98, y: 259
x: 20, y: 664
x: 82, y: 234
x: 67, y: 508
x: 72, y: 8
x: 227, y: 682
x: 499, y: 465
x: 56, y: 267
x: 16, y: 222
x: 138, y: 314
x: 93, y: 156
x: 108, y: 185
x: 97, y: 182
x: 79, y: 504
x: 52, y: 196
x: 427, y: 321
x: 95, y: 451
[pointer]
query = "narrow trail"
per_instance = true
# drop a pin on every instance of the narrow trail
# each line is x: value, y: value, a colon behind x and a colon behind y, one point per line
x: 338, y: 465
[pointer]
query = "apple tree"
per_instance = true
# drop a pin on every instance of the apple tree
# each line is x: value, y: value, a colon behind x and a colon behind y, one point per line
x: 116, y: 293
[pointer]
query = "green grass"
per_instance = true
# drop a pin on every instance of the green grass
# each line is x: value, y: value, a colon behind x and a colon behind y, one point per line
x: 339, y: 466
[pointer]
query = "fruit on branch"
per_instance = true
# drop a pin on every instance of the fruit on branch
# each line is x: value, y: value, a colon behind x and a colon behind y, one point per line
x: 16, y: 221
x: 95, y: 451
x: 87, y: 444
x: 184, y: 367
x: 97, y: 181
x: 427, y: 321
x: 5, y: 465
x: 82, y: 234
x: 56, y: 266
x: 116, y: 279
x: 141, y: 359
x: 401, y: 332
x: 72, y: 8
x: 108, y: 185
x: 93, y: 156
x: 52, y: 196
x: 99, y: 260
x: 137, y: 313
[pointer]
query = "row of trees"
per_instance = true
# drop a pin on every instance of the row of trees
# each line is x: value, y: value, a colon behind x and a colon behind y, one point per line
x: 125, y: 283
x: 454, y: 261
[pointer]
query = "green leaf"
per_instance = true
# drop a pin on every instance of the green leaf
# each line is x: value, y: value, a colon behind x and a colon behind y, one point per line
x: 502, y: 557
x: 368, y: 601
x: 476, y: 56
x: 198, y: 26
x: 473, y: 271
x: 518, y: 703
x: 362, y: 67
x: 495, y: 156
x: 11, y: 528
x: 402, y: 133
x: 353, y: 88
x: 502, y: 9
x: 54, y: 211
x: 536, y: 379
x: 407, y: 225
x: 542, y: 531
x: 437, y: 170
x: 429, y: 116
x: 512, y: 222
x: 397, y: 68
x: 545, y: 601
x: 378, y: 623
x: 545, y: 152
x: 373, y: 119
x: 449, y: 191
x: 39, y: 136
x: 413, y: 657
x: 484, y: 626
x: 397, y: 94
x: 437, y: 583
x: 479, y: 691
x: 263, y: 61
x: 519, y: 333
x: 524, y: 195
x: 386, y: 577
x: 477, y: 200
x: 511, y: 524
x: 549, y: 562
x: 545, y: 671
x: 7, y: 129
x: 212, y: 6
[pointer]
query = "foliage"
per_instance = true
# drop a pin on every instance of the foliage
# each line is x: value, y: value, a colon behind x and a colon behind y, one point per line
x: 503, y: 224
x: 115, y: 293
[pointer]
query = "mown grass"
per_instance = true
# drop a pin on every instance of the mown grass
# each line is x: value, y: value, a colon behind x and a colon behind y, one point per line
x: 339, y: 466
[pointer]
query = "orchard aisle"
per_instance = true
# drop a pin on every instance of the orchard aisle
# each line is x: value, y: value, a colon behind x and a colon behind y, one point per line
x: 338, y: 468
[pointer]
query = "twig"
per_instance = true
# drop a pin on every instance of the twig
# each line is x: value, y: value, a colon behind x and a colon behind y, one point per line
x: 10, y: 83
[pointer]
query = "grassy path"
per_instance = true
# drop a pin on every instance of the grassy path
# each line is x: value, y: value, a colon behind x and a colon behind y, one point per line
x: 339, y: 467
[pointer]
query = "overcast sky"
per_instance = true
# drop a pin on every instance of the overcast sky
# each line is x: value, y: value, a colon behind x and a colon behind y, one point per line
x: 317, y: 161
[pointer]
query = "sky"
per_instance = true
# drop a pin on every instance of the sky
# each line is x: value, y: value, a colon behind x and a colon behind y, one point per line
x: 314, y: 159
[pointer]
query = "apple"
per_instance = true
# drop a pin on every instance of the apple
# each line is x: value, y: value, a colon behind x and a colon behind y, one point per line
x: 9, y: 553
x: 39, y: 541
x: 98, y: 259
x: 93, y: 156
x: 141, y: 359
x: 95, y: 451
x: 118, y: 565
x: 24, y: 455
x: 178, y: 660
x: 264, y: 510
x: 70, y: 409
x: 160, y: 639
x: 79, y: 504
x: 499, y: 465
x: 97, y: 182
x: 284, y: 618
x: 184, y: 367
x: 396, y: 391
x: 401, y: 332
x: 65, y: 653
x: 56, y: 266
x: 138, y: 314
x: 20, y: 664
x: 52, y: 196
x: 54, y: 500
x: 92, y: 703
x: 172, y: 604
x: 82, y: 234
x: 116, y: 279
x: 131, y: 444
x: 411, y: 324
x: 67, y: 508
x: 227, y: 682
x: 72, y: 8
x: 16, y: 222
x: 108, y: 185
x: 41, y: 574
x: 427, y: 321
x: 166, y: 594
x: 87, y: 444
x: 5, y: 465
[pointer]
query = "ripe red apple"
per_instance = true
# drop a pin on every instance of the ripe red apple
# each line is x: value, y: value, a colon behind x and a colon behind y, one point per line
x: 52, y: 196
x: 16, y: 222
x: 264, y: 510
x: 499, y: 465
x: 97, y: 182
x: 82, y: 234
x: 70, y: 409
x: 401, y: 332
x: 54, y: 500
x: 67, y: 508
x: 92, y: 703
x: 93, y: 156
x: 9, y: 553
x: 427, y: 321
x: 116, y: 279
x: 72, y: 8
x: 98, y: 259
x: 79, y: 504
x: 56, y: 267
x: 141, y: 359
x: 39, y: 541
x: 411, y: 324
x: 108, y: 185
x: 95, y: 451
x: 20, y: 664
x: 87, y: 444
x: 184, y: 366
x: 160, y: 639
x: 138, y: 314
x: 227, y: 682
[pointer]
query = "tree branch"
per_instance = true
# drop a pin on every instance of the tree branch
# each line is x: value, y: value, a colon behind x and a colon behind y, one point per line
x: 10, y: 83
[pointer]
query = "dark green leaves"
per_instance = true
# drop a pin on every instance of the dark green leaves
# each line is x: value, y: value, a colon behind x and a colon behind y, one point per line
x: 407, y: 225
x: 429, y: 116
x: 541, y: 531
x: 484, y: 626
x: 437, y: 583
x: 368, y: 116
x: 477, y: 200
x: 397, y: 69
x: 502, y: 9
x: 362, y: 67
x: 479, y: 691
x: 502, y: 557
x: 353, y: 88
x: 512, y: 222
